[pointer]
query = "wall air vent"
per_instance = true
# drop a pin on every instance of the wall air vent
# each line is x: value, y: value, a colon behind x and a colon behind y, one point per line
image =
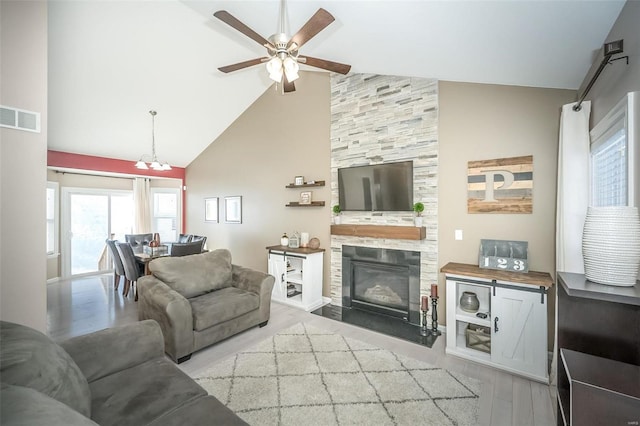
x: 19, y: 119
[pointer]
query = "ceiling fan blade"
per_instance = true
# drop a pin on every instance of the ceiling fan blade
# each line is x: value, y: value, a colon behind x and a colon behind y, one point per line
x: 287, y: 86
x: 241, y: 65
x: 233, y: 22
x: 318, y: 22
x: 324, y: 64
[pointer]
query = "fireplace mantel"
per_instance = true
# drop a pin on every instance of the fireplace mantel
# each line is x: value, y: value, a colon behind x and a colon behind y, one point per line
x: 381, y: 231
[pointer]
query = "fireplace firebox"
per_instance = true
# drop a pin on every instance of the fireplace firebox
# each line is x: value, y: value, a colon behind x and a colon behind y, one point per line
x: 383, y: 281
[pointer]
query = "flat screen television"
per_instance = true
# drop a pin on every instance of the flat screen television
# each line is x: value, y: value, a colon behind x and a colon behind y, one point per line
x: 379, y: 187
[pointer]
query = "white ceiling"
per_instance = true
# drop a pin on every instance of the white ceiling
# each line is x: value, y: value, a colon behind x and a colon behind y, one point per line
x: 110, y: 62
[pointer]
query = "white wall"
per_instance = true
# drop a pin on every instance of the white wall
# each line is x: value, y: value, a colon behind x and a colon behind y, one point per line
x: 277, y: 138
x: 23, y: 165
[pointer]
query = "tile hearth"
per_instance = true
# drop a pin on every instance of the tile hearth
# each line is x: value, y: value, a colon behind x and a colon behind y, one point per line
x: 376, y: 322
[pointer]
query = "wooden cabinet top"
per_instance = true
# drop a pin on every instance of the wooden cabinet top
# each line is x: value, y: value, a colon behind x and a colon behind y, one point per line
x: 299, y: 250
x: 539, y: 279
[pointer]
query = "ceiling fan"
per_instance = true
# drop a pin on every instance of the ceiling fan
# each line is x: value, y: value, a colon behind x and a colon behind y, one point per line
x: 282, y: 52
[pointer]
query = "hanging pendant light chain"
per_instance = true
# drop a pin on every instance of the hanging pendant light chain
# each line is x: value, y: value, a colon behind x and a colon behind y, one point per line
x: 153, y: 134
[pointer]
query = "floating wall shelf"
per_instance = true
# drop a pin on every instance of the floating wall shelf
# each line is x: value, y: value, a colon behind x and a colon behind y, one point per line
x: 306, y: 185
x: 313, y: 204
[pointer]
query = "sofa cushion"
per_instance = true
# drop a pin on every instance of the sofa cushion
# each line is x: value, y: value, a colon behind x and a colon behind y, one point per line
x: 222, y: 305
x: 201, y: 411
x: 26, y: 406
x: 29, y: 358
x: 195, y: 274
x: 140, y: 395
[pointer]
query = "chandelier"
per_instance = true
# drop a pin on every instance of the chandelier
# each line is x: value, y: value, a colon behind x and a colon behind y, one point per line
x: 154, y: 163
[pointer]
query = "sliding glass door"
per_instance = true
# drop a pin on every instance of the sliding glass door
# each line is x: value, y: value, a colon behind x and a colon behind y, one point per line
x: 90, y: 217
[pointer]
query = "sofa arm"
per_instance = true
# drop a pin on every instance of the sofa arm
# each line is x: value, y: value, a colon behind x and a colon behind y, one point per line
x: 257, y: 282
x: 171, y: 310
x: 108, y: 351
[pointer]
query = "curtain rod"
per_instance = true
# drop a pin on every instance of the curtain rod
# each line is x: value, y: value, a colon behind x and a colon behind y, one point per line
x: 610, y: 49
x: 91, y: 174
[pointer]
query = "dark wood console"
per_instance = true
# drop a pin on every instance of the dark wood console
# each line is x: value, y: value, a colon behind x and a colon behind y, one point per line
x: 598, y: 330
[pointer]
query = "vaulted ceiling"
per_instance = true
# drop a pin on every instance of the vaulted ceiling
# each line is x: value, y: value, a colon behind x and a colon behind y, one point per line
x: 110, y: 62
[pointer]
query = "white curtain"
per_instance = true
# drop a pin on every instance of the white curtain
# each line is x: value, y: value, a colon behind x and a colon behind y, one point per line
x: 573, y: 196
x: 141, y: 206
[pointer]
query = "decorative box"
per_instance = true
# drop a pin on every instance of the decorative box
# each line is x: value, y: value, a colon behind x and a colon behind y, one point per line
x: 504, y: 255
x: 478, y: 338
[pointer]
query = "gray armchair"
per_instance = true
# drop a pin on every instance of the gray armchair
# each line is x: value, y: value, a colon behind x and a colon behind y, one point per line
x: 201, y: 299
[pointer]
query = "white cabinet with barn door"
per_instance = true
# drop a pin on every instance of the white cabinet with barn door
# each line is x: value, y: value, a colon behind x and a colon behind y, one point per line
x: 498, y: 318
x: 298, y: 273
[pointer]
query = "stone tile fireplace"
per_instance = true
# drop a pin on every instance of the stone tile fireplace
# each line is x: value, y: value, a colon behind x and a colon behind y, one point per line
x: 379, y: 119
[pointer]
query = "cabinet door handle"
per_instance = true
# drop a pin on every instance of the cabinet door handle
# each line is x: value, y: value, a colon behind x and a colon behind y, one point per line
x: 495, y: 324
x: 282, y: 278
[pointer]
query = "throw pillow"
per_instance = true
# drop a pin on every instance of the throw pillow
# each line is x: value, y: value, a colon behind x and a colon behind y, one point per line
x: 29, y: 358
x: 196, y: 274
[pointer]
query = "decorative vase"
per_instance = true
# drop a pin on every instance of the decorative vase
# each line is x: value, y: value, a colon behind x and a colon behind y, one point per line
x: 156, y: 240
x: 336, y: 219
x: 469, y: 302
x: 417, y: 221
x: 611, y: 245
x: 314, y: 243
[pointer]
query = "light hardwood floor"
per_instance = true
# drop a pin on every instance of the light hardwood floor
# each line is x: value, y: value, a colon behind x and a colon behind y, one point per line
x: 82, y: 305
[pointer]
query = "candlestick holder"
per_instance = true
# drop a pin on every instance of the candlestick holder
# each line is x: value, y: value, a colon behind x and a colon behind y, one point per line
x: 434, y: 316
x: 424, y: 330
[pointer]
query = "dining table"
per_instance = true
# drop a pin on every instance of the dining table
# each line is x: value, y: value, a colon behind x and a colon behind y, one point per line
x: 146, y: 254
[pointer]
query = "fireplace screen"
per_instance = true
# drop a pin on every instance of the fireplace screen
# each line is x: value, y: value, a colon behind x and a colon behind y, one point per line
x: 385, y: 285
x: 383, y: 281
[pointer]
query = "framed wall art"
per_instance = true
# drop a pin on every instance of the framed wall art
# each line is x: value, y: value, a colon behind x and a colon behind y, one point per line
x: 233, y: 209
x: 502, y: 185
x: 305, y: 197
x: 211, y: 209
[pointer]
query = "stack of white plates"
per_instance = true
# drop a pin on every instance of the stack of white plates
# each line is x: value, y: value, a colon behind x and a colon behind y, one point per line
x: 611, y: 245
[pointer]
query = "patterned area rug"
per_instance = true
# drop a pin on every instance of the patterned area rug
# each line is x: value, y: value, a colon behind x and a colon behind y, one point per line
x: 305, y: 375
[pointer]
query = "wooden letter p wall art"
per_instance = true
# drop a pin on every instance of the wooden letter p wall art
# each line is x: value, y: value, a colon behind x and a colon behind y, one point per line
x: 503, y: 185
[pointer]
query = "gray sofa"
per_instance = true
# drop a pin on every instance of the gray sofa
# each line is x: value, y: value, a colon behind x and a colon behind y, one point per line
x: 201, y: 299
x: 117, y: 376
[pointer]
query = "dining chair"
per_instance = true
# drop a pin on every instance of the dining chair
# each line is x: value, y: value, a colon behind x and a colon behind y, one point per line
x: 138, y: 241
x: 185, y: 249
x: 201, y: 239
x: 184, y: 238
x: 131, y: 268
x: 118, y: 268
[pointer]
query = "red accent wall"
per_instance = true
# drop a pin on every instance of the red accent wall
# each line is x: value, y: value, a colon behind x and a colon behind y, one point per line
x: 113, y: 165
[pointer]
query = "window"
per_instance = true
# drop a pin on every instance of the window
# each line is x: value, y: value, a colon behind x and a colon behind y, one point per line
x: 52, y: 218
x: 613, y: 154
x: 166, y: 213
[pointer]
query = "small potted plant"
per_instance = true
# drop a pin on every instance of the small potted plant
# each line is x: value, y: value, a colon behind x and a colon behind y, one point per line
x: 418, y: 208
x: 336, y: 212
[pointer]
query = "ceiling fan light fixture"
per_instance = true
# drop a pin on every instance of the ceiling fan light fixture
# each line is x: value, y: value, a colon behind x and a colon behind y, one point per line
x: 283, y: 51
x: 274, y: 68
x: 291, y: 68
